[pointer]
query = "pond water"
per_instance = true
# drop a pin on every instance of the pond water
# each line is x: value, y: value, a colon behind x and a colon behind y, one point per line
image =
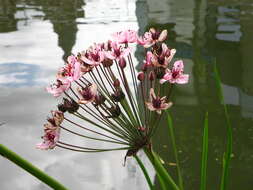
x: 37, y: 35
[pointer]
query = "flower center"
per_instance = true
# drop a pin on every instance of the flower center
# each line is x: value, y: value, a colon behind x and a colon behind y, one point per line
x: 50, y: 137
x: 87, y: 95
x: 175, y: 74
x: 95, y: 56
x: 157, y: 103
x: 117, y: 52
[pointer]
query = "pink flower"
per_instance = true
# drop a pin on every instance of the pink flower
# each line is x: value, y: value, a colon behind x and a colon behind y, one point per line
x: 151, y: 37
x: 59, y: 87
x: 93, y: 56
x: 176, y: 74
x: 156, y: 103
x: 149, y: 59
x: 88, y: 94
x: 71, y: 71
x: 128, y: 36
x: 51, y: 135
x: 50, y: 139
x: 164, y: 56
x: 117, y: 52
x: 58, y: 117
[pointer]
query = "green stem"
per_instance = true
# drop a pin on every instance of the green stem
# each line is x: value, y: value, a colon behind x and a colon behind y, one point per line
x: 171, y: 130
x: 13, y: 157
x: 163, y: 175
x: 151, y: 187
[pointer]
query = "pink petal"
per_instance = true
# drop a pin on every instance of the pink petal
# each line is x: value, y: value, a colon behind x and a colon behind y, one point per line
x: 149, y: 57
x: 172, y: 53
x: 163, y: 36
x: 93, y: 89
x: 150, y: 106
x: 152, y: 94
x: 178, y: 66
x: 87, y: 61
x: 182, y: 79
x: 126, y: 52
x: 166, y: 105
x: 162, y: 81
x: 109, y: 55
x: 77, y: 71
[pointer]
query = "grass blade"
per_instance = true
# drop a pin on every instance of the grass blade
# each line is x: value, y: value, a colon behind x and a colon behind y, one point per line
x: 13, y: 157
x: 228, y: 152
x: 172, y: 136
x: 144, y: 170
x: 204, y: 155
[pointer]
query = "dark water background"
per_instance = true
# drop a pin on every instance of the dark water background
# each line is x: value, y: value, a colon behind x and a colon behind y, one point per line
x: 35, y: 37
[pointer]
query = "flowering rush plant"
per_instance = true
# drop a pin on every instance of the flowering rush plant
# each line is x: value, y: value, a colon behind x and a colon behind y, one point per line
x: 106, y: 96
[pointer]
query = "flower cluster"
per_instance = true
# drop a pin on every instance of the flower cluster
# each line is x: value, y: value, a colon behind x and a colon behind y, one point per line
x: 101, y: 87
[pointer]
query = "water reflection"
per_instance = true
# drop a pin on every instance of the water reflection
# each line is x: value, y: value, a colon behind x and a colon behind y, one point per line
x: 44, y: 33
x: 204, y: 32
x: 8, y: 22
x: 37, y: 34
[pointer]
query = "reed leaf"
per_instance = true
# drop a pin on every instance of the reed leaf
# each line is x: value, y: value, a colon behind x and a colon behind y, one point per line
x: 24, y: 164
x: 144, y: 170
x: 228, y: 152
x: 204, y: 155
x: 164, y: 178
x: 173, y: 141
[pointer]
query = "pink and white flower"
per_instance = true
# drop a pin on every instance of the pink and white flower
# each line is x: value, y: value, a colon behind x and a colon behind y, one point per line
x: 50, y: 139
x: 151, y: 37
x: 176, y: 75
x: 88, y: 94
x: 150, y: 58
x: 117, y: 52
x: 127, y: 36
x: 156, y: 103
x: 58, y: 117
x: 164, y: 56
x: 59, y: 87
x: 93, y: 56
x: 71, y: 71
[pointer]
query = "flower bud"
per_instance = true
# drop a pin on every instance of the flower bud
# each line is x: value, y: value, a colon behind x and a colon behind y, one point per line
x: 115, y: 111
x: 58, y: 117
x: 99, y: 99
x: 107, y: 62
x: 68, y: 105
x: 122, y: 63
x: 141, y: 76
x: 151, y: 76
x: 116, y: 83
x: 118, y: 96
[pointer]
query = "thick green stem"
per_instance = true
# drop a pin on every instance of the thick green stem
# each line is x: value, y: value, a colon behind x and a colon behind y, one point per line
x: 163, y: 175
x: 13, y: 157
x: 144, y: 170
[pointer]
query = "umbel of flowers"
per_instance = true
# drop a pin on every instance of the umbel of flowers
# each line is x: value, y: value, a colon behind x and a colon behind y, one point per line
x: 101, y: 88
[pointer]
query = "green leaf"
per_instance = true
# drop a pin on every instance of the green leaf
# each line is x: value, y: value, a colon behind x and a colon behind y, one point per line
x: 204, y: 155
x: 164, y: 178
x: 144, y: 170
x: 228, y: 152
x: 172, y: 136
x: 15, y: 158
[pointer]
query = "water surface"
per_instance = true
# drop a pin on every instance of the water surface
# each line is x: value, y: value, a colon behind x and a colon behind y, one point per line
x: 37, y: 35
